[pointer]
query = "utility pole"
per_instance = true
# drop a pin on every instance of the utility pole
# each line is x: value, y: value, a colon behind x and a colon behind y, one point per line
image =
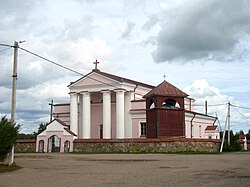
x: 14, y: 79
x: 228, y: 123
x: 10, y: 156
x: 224, y: 133
x: 51, y: 110
x: 206, y: 107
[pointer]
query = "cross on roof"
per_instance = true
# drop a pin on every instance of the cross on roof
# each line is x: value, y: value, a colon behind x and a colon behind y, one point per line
x: 96, y: 62
x: 164, y: 76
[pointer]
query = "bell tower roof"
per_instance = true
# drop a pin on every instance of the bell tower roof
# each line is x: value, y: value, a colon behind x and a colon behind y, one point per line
x: 166, y: 89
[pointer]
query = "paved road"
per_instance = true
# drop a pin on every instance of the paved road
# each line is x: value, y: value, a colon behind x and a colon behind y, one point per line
x: 229, y: 169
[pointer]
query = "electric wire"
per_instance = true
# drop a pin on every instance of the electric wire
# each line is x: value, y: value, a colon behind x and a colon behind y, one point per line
x: 62, y: 66
x: 5, y: 49
x: 240, y: 113
x: 6, y: 45
x: 39, y: 56
x: 210, y: 105
x: 240, y: 107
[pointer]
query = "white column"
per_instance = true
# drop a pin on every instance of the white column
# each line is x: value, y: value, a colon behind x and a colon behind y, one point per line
x: 80, y: 118
x: 106, y: 114
x: 120, y: 114
x: 86, y: 115
x: 128, y: 120
x: 74, y: 113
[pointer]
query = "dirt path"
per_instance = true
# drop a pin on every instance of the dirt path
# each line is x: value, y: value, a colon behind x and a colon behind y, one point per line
x: 129, y: 170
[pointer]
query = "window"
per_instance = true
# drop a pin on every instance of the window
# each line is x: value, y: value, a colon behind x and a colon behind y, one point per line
x: 200, y: 131
x: 101, y: 131
x: 143, y: 129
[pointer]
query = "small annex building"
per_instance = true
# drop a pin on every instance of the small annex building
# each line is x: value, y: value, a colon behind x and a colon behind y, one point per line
x: 56, y: 138
x: 107, y: 106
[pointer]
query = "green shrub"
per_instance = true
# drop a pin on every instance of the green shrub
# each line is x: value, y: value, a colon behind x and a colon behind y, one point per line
x: 8, y: 136
x: 234, y: 142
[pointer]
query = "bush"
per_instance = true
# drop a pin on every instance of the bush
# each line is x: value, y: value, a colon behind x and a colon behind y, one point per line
x: 8, y: 136
x: 234, y: 142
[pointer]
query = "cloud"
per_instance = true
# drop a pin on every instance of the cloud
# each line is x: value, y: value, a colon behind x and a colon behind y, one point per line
x: 201, y: 91
x: 152, y: 21
x: 129, y: 29
x: 196, y: 30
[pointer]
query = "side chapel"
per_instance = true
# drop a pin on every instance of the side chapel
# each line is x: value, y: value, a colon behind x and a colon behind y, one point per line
x: 106, y: 106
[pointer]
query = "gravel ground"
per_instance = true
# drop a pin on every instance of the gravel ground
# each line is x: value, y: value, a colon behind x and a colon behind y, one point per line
x: 228, y: 169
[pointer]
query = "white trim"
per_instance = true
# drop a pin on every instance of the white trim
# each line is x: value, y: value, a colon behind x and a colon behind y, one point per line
x: 92, y: 73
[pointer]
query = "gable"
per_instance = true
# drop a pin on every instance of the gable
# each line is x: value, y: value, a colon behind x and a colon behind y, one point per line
x: 97, y: 80
x: 56, y: 126
x: 92, y: 79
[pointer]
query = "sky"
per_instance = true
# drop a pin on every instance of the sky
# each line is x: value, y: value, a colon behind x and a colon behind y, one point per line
x: 203, y: 48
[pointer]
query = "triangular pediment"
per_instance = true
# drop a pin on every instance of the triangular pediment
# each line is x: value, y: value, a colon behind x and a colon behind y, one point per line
x: 92, y: 79
x: 55, y: 126
x: 98, y: 80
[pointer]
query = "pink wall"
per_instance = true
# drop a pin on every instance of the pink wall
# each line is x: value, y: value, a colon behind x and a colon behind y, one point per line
x: 138, y: 104
x: 97, y: 120
x: 61, y: 108
x: 92, y: 81
x: 136, y: 126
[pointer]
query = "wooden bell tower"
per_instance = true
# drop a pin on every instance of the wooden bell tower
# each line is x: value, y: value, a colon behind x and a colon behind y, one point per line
x: 165, y: 114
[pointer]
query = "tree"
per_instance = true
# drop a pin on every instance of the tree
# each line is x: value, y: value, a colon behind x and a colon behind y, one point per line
x: 241, y: 132
x: 234, y: 142
x: 248, y: 135
x: 22, y: 136
x: 8, y: 136
x: 41, y: 128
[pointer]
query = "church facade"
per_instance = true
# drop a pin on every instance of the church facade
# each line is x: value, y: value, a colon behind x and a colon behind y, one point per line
x: 106, y: 106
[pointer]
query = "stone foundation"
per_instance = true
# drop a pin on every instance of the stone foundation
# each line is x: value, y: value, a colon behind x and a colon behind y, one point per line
x: 25, y: 146
x: 146, y: 145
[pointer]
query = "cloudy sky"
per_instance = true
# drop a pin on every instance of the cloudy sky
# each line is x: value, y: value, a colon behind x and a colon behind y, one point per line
x: 203, y: 47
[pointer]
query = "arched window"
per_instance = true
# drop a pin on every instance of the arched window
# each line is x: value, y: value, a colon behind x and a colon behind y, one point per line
x: 41, y: 146
x: 66, y: 146
x: 152, y: 104
x: 54, y: 143
x: 170, y: 104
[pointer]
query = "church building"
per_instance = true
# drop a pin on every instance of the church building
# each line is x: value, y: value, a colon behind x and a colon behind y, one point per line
x: 106, y: 106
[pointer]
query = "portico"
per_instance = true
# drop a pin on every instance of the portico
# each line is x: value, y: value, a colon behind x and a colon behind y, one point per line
x: 83, y: 108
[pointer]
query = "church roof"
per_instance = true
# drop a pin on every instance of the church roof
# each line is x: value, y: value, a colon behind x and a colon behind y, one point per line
x: 166, y: 89
x: 117, y: 78
x: 211, y: 127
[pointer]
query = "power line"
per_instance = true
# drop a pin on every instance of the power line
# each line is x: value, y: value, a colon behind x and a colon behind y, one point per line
x: 39, y: 56
x: 240, y: 113
x: 6, y: 45
x: 241, y: 107
x: 62, y: 66
x: 209, y: 105
x: 5, y: 49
